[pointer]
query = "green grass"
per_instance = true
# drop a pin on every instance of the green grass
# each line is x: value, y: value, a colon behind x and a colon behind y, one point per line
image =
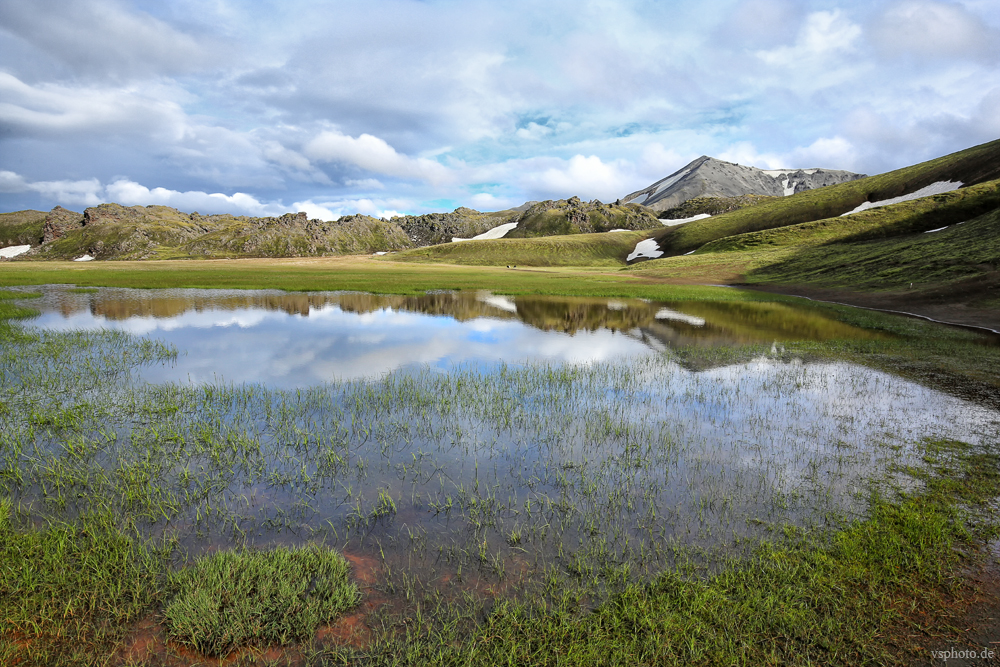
x: 810, y: 599
x: 70, y: 591
x: 21, y: 228
x: 240, y: 598
x: 362, y: 274
x: 935, y: 260
x: 973, y: 165
x: 878, y: 249
x: 608, y: 249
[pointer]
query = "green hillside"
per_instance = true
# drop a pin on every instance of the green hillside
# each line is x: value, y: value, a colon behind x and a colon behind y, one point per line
x: 21, y: 228
x: 607, y: 249
x: 972, y: 166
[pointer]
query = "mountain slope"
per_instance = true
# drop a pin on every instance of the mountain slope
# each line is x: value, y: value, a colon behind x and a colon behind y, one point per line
x: 969, y: 167
x: 709, y: 177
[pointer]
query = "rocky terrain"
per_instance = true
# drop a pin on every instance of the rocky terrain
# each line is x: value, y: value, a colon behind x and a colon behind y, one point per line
x: 573, y: 216
x: 709, y: 177
x: 113, y: 231
x: 712, y: 206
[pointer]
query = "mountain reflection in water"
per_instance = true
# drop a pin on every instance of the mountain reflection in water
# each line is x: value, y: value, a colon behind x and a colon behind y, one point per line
x: 296, y: 339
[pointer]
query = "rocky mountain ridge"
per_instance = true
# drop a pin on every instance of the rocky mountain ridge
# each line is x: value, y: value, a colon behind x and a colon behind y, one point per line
x: 710, y: 177
x: 113, y: 231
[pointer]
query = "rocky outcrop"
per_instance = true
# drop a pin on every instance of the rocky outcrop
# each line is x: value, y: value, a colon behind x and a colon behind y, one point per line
x: 434, y: 228
x: 712, y: 206
x: 574, y: 216
x: 709, y: 177
x: 59, y: 222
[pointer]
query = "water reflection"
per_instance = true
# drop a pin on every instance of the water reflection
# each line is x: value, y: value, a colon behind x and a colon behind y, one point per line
x: 299, y: 339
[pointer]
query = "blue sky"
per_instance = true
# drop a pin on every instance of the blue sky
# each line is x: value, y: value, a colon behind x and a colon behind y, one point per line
x: 407, y: 106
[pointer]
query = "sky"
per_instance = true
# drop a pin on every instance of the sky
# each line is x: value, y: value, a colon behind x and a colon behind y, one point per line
x: 388, y: 107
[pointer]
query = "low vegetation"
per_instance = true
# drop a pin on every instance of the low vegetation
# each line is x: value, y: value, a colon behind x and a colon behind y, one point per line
x: 584, y: 250
x: 970, y: 167
x: 233, y: 599
x: 944, y: 244
x: 21, y: 228
x: 713, y: 206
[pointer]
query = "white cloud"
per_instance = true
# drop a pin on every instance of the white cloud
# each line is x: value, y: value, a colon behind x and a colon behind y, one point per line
x: 582, y: 174
x: 101, y: 37
x: 927, y: 29
x: 86, y: 193
x: 484, y: 201
x: 533, y: 132
x: 11, y: 182
x: 52, y: 109
x: 824, y: 34
x: 373, y: 154
x: 129, y: 193
x: 825, y: 153
x: 365, y: 183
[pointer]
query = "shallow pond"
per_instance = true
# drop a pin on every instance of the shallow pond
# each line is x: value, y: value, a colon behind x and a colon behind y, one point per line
x: 301, y: 339
x: 456, y: 441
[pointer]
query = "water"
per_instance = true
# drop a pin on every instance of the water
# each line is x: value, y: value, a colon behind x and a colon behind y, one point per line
x: 299, y: 340
x: 468, y: 441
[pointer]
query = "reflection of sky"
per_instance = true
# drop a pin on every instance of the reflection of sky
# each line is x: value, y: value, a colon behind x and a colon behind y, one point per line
x: 257, y: 345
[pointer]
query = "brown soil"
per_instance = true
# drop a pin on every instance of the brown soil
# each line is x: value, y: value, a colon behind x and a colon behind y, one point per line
x: 968, y: 626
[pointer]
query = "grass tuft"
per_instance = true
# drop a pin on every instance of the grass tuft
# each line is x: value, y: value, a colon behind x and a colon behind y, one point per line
x: 236, y: 598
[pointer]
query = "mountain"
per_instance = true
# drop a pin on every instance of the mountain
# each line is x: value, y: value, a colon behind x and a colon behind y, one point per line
x: 709, y: 177
x: 966, y: 168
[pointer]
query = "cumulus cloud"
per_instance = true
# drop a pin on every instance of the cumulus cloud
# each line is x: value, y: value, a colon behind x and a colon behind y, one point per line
x: 928, y: 29
x: 375, y: 155
x: 130, y: 193
x: 532, y: 100
x: 86, y: 193
x: 484, y: 201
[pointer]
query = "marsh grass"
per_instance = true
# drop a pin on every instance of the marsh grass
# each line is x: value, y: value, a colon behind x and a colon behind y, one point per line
x: 70, y: 590
x: 536, y: 514
x: 238, y: 598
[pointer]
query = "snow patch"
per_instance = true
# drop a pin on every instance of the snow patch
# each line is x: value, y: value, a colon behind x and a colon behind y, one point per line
x: 495, y: 233
x: 680, y: 221
x: 667, y: 314
x: 85, y: 258
x: 939, y: 229
x: 787, y: 187
x: 933, y: 189
x: 382, y: 252
x: 647, y: 248
x: 689, y: 253
x: 14, y: 250
x: 621, y: 230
